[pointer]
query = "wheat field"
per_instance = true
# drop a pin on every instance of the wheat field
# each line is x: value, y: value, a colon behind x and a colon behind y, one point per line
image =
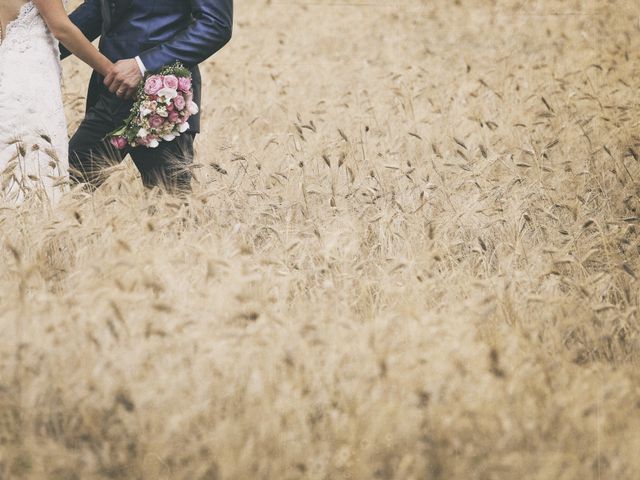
x: 412, y: 252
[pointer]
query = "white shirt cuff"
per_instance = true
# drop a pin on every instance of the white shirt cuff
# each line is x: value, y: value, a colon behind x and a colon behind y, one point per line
x: 141, y: 66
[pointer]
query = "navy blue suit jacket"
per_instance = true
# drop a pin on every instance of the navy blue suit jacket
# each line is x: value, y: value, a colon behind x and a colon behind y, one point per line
x: 160, y: 32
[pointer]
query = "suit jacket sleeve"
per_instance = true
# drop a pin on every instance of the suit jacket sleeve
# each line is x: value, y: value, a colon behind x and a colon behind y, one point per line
x: 88, y: 18
x: 209, y: 31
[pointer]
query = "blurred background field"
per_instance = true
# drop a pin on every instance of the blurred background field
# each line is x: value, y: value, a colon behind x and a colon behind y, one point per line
x: 412, y: 252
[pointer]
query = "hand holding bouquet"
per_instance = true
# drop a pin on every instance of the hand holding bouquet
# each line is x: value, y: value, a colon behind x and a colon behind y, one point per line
x: 161, y: 110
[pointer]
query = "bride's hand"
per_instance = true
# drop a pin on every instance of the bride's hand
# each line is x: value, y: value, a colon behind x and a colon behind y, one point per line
x: 109, y: 70
x: 124, y: 78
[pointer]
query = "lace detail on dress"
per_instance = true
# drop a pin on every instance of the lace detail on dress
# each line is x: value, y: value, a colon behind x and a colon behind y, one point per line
x: 27, y: 17
x: 33, y: 133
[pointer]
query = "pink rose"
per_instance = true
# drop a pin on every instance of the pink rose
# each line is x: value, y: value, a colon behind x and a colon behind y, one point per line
x: 173, y: 117
x: 156, y: 121
x: 171, y: 81
x: 153, y: 85
x: 184, y: 84
x: 119, y: 142
x: 180, y: 102
x: 170, y: 107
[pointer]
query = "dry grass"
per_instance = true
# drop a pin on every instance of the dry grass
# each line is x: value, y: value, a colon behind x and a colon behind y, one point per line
x: 412, y: 253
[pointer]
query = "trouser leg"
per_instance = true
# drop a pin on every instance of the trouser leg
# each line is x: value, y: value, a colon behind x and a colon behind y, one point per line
x: 168, y: 166
x: 89, y: 153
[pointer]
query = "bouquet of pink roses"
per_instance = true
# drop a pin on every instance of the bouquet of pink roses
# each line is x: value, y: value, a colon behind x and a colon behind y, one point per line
x: 161, y: 111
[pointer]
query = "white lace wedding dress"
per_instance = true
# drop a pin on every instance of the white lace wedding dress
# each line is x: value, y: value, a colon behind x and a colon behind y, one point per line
x: 33, y: 130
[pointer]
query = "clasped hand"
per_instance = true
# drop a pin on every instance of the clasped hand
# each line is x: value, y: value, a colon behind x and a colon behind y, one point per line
x: 123, y: 79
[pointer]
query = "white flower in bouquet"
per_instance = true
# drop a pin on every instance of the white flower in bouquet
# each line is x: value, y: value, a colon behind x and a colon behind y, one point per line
x: 145, y: 109
x: 192, y: 108
x: 168, y: 93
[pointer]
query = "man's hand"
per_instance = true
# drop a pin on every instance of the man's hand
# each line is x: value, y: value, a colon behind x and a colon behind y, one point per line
x: 124, y: 78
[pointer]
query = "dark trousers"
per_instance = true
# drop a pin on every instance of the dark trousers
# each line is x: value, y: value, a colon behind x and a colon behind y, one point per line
x: 168, y: 166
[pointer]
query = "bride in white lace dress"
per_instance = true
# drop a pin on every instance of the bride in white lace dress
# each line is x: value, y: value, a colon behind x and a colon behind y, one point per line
x: 33, y: 130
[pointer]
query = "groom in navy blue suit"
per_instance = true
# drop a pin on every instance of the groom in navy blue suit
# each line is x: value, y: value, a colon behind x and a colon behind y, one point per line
x: 143, y: 36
